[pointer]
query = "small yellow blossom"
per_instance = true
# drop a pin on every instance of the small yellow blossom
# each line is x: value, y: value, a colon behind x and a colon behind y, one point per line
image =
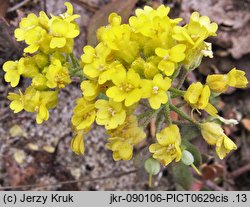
x: 168, y: 147
x: 127, y: 87
x: 156, y: 90
x: 84, y: 114
x: 17, y: 101
x: 219, y: 83
x: 214, y: 135
x: 12, y: 75
x: 57, y: 75
x: 109, y: 113
x: 198, y: 96
x: 124, y: 137
x: 170, y: 58
x: 77, y: 143
x: 90, y: 89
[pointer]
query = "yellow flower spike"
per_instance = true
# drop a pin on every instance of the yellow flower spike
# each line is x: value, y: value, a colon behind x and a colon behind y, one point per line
x: 77, y: 143
x: 168, y: 147
x: 127, y: 87
x: 170, y: 58
x: 84, y: 114
x: 214, y: 135
x: 197, y: 96
x: 237, y: 78
x: 155, y: 90
x: 57, y: 75
x: 12, y: 75
x: 110, y: 114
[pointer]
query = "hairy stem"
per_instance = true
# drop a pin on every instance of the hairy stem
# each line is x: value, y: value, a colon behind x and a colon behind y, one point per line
x: 183, y: 115
x: 182, y: 78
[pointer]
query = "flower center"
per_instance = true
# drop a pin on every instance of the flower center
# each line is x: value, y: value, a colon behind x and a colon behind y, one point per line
x: 112, y: 111
x: 101, y: 67
x: 155, y: 89
x: 171, y: 149
x: 166, y: 57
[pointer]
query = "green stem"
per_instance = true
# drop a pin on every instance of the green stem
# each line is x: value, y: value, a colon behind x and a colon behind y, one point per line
x: 182, y: 78
x: 167, y: 110
x: 176, y: 91
x: 176, y: 73
x: 150, y: 180
x: 183, y: 115
x: 148, y: 115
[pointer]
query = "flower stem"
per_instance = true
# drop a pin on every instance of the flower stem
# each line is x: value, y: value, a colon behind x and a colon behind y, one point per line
x: 182, y: 78
x: 196, y: 169
x: 150, y: 180
x: 183, y: 115
x: 176, y: 91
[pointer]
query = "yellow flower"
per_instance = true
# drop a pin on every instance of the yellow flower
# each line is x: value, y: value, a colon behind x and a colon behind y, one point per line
x: 124, y: 137
x: 214, y: 135
x: 156, y: 90
x: 168, y: 147
x: 122, y: 150
x: 109, y: 113
x: 39, y: 82
x: 84, y: 114
x: 40, y: 102
x: 12, y: 75
x: 219, y: 83
x: 57, y: 75
x: 17, y: 101
x: 224, y: 145
x: 62, y: 30
x: 126, y: 87
x: 77, y: 144
x: 27, y: 67
x: 90, y: 89
x: 237, y: 78
x: 170, y: 58
x: 95, y: 62
x: 198, y: 96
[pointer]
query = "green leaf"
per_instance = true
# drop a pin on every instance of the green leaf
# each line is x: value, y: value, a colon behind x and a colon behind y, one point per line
x: 182, y: 176
x: 189, y: 131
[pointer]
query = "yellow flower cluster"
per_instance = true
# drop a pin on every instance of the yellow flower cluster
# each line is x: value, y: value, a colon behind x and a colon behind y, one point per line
x: 140, y: 60
x: 50, y: 41
x: 132, y: 63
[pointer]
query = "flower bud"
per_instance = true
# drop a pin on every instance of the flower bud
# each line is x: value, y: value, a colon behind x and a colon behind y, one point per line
x: 152, y: 166
x: 187, y: 158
